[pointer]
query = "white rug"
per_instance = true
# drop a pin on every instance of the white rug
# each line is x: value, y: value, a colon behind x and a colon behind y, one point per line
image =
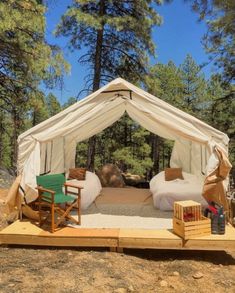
x: 137, y: 216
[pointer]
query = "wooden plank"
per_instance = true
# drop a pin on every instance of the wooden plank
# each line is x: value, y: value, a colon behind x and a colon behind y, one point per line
x: 58, y: 241
x: 27, y: 233
x: 139, y: 238
x: 213, y: 241
x: 21, y: 228
x: 192, y: 233
x: 82, y: 233
x: 113, y: 249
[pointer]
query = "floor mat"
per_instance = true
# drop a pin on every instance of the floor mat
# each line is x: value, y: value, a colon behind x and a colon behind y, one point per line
x: 138, y: 216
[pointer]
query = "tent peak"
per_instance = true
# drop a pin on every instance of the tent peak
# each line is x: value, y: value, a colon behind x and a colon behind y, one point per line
x: 118, y: 80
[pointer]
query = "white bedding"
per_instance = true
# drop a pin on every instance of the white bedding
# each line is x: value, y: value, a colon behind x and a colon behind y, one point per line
x: 165, y: 193
x: 92, y: 188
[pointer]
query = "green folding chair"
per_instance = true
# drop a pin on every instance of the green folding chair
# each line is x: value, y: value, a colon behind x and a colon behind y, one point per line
x: 50, y: 194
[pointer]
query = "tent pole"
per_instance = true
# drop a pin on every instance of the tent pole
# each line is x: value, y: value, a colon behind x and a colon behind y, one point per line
x: 64, y: 154
x: 51, y: 154
x: 45, y: 162
x: 190, y: 158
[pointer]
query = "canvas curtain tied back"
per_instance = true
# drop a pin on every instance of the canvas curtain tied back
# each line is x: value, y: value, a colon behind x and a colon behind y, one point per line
x: 214, y: 189
x: 51, y: 145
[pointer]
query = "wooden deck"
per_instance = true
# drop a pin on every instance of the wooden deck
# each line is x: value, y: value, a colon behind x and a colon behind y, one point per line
x: 27, y: 233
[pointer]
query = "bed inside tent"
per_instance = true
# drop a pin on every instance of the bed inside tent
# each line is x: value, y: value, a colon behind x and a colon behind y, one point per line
x: 50, y: 147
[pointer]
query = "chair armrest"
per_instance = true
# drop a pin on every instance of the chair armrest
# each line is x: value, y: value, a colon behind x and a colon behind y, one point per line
x: 72, y: 184
x: 42, y: 189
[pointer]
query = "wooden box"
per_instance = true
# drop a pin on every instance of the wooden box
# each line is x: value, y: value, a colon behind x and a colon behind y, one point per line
x: 192, y: 229
x: 187, y: 211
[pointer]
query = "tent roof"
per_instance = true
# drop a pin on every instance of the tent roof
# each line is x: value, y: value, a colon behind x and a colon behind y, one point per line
x: 105, y: 106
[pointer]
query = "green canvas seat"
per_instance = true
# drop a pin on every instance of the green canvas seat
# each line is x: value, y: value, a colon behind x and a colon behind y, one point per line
x: 50, y: 193
x: 59, y: 198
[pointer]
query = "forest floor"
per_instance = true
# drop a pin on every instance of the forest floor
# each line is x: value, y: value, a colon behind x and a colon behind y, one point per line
x: 37, y: 269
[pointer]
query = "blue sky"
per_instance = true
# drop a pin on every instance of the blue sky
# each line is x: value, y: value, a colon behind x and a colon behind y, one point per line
x: 179, y: 35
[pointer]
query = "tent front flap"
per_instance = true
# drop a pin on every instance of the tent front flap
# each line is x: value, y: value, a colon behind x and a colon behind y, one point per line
x: 167, y: 126
x: 78, y: 120
x: 90, y: 99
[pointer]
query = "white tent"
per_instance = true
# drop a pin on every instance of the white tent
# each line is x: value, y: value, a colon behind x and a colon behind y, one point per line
x: 51, y: 145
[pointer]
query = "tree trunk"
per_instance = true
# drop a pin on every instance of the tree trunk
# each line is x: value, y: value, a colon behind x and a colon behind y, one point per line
x: 163, y: 155
x: 154, y: 154
x: 34, y: 117
x: 169, y: 158
x: 1, y: 137
x: 96, y: 85
x: 125, y: 132
x: 15, y: 133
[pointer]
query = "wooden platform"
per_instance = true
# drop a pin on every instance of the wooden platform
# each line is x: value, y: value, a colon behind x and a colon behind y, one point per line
x: 27, y: 233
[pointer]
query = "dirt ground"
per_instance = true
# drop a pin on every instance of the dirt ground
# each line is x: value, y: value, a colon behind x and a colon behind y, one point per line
x: 30, y: 269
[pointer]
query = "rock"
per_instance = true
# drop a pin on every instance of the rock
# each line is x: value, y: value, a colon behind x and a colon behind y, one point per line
x: 131, y: 288
x: 11, y: 285
x: 163, y: 283
x: 110, y: 176
x: 131, y: 179
x: 120, y: 290
x: 198, y: 275
x: 175, y: 273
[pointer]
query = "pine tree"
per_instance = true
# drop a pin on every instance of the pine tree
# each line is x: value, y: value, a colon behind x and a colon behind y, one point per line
x: 25, y: 60
x: 70, y: 102
x: 53, y: 104
x: 38, y: 108
x: 117, y: 38
x: 221, y: 111
x: 194, y: 87
x: 165, y: 82
x: 219, y: 41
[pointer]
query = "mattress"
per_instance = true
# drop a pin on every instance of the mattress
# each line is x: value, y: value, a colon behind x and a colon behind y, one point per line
x: 165, y: 193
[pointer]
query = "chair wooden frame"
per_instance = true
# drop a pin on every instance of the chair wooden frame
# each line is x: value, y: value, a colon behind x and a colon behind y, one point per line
x: 54, y: 207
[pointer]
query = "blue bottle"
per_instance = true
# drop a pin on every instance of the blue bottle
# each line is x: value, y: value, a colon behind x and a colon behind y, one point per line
x: 221, y: 221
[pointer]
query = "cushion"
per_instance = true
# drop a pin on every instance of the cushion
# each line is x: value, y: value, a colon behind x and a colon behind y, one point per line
x: 173, y: 173
x: 77, y: 173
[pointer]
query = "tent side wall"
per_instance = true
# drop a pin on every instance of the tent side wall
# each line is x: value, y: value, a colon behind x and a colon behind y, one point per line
x: 192, y: 157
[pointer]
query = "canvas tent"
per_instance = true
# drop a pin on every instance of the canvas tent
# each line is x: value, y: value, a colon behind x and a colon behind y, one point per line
x: 51, y: 145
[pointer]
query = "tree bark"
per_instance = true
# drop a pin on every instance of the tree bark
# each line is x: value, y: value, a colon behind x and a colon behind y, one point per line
x: 15, y: 133
x: 96, y: 85
x: 163, y: 155
x: 1, y: 137
x: 154, y: 154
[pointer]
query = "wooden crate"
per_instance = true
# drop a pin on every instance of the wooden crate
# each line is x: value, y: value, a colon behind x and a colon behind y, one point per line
x: 189, y: 230
x: 187, y: 210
